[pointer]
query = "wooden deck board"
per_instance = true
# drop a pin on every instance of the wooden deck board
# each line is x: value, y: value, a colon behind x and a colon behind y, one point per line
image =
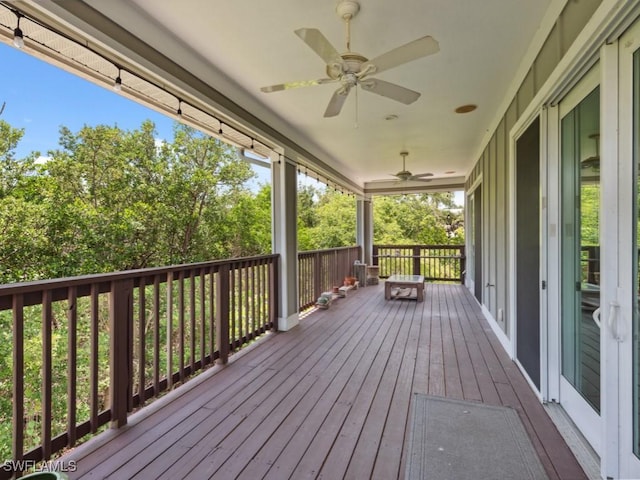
x: 315, y: 426
x: 309, y: 412
x: 330, y: 398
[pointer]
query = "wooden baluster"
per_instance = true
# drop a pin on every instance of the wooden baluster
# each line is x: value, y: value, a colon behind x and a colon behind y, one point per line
x: 47, y: 377
x: 94, y: 365
x: 245, y: 293
x: 142, y: 353
x: 233, y: 327
x: 203, y: 317
x: 156, y: 335
x: 169, y: 345
x: 212, y: 313
x: 192, y: 320
x: 18, y: 377
x: 222, y: 313
x: 181, y: 326
x: 72, y: 345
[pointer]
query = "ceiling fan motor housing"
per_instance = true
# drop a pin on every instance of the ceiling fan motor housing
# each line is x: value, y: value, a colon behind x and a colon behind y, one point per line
x: 347, y: 9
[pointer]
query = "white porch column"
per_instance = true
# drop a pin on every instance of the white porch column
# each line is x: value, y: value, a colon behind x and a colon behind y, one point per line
x: 364, y: 228
x: 285, y: 239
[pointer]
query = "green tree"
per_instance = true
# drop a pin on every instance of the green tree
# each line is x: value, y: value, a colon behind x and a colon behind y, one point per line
x: 431, y: 219
x: 335, y: 224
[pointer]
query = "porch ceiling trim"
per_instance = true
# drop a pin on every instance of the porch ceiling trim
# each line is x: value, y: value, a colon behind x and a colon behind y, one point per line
x: 119, y: 46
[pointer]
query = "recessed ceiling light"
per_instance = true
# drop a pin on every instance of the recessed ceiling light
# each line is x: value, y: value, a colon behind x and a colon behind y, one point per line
x: 466, y: 108
x: 393, y: 116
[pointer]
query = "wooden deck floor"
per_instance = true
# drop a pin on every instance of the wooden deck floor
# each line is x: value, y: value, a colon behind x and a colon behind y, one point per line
x: 329, y: 399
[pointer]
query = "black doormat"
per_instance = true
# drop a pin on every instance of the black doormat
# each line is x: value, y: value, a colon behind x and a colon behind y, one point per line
x: 458, y: 440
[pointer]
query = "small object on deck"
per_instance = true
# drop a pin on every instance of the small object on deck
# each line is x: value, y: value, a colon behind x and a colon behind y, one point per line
x: 373, y: 274
x: 401, y: 292
x: 349, y: 281
x: 324, y: 300
x: 401, y: 282
x: 360, y: 272
x: 342, y: 291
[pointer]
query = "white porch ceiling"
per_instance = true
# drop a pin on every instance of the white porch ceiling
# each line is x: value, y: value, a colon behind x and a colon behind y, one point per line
x: 238, y: 47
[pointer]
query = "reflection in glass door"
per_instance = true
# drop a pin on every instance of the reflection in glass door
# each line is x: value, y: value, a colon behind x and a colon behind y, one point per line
x: 636, y: 222
x: 580, y: 330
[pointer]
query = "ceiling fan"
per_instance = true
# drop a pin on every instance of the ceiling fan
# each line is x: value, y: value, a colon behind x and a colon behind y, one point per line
x: 405, y: 175
x: 351, y: 69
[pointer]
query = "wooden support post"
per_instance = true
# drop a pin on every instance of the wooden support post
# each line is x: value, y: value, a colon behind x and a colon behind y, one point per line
x: 121, y: 326
x: 273, y: 296
x: 416, y: 260
x: 222, y: 314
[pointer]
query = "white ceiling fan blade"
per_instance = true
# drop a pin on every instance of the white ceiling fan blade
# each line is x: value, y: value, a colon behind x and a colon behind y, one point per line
x: 406, y: 53
x: 336, y: 102
x: 390, y: 90
x: 415, y: 178
x: 319, y: 44
x: 302, y: 83
x: 420, y: 175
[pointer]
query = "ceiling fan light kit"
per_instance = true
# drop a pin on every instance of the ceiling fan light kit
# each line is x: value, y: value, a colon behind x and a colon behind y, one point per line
x: 351, y: 69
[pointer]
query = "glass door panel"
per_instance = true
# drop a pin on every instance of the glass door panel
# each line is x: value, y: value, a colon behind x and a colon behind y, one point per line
x: 636, y: 262
x: 580, y: 176
x: 625, y: 328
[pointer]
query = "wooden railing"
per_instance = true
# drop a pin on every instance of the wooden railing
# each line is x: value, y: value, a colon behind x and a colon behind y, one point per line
x: 590, y: 263
x: 108, y: 343
x: 320, y: 270
x: 437, y: 263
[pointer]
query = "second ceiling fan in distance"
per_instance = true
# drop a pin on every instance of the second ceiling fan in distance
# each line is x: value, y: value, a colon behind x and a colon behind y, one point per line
x: 351, y: 69
x: 405, y: 175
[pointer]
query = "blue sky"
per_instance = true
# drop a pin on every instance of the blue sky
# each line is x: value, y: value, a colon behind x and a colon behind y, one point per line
x: 40, y: 98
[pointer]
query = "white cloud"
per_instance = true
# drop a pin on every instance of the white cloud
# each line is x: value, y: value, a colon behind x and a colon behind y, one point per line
x: 41, y: 160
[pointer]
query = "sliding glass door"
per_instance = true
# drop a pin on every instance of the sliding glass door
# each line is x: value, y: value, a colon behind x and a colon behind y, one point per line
x: 580, y: 254
x: 625, y: 327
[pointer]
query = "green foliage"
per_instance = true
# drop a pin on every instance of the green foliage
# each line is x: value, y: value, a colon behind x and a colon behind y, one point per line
x: 326, y: 219
x: 589, y: 221
x: 108, y: 199
x: 335, y: 223
x: 429, y: 219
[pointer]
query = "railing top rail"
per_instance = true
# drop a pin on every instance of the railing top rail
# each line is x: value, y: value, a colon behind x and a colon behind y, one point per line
x: 390, y: 255
x: 309, y: 252
x: 456, y: 247
x: 55, y: 283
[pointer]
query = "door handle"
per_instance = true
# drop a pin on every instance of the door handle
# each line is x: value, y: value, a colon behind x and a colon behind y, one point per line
x: 615, y: 327
x: 596, y: 317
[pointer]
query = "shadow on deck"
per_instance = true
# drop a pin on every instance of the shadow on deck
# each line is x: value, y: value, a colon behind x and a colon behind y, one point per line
x: 328, y: 399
